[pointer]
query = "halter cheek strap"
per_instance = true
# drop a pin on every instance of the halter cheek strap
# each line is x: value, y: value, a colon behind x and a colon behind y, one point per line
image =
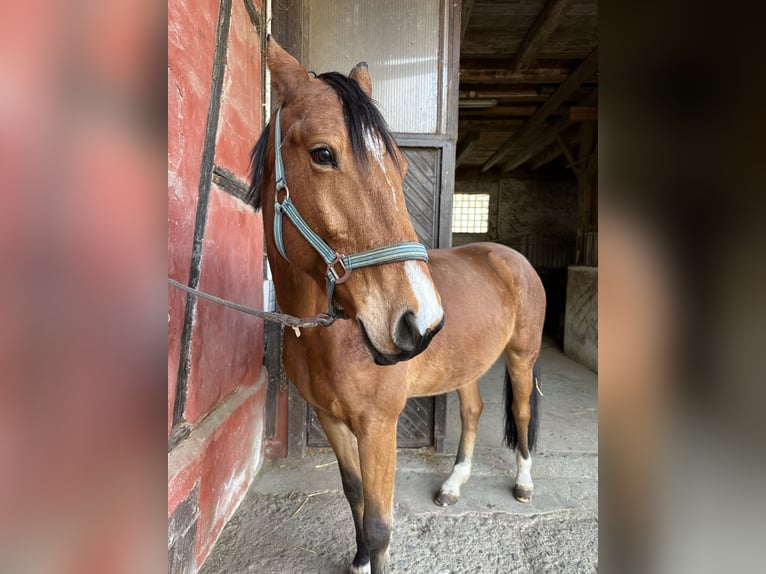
x: 339, y: 266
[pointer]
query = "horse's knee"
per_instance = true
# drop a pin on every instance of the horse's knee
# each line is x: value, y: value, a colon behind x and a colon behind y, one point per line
x: 377, y: 533
x: 472, y: 412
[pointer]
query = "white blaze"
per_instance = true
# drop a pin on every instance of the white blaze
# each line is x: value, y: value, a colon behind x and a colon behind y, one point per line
x: 429, y: 310
x: 375, y: 146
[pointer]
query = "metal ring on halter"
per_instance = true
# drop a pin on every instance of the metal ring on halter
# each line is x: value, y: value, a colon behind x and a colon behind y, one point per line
x: 287, y: 194
x: 331, y: 268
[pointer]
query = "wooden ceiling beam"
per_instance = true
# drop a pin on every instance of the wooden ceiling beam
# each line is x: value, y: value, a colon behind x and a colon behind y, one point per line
x: 530, y: 149
x: 498, y: 124
x: 583, y: 113
x: 565, y: 148
x: 551, y: 152
x: 527, y: 148
x: 504, y: 75
x: 583, y: 72
x: 587, y: 139
x: 465, y: 17
x: 547, y: 21
x: 465, y: 147
x: 518, y: 111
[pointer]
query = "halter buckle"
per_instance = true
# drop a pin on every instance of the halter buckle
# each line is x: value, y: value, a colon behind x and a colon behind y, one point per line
x: 331, y: 268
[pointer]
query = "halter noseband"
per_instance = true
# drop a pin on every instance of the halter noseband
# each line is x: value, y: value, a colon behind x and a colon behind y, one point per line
x: 395, y: 252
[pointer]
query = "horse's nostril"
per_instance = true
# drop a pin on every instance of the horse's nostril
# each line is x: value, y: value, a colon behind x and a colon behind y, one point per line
x: 406, y: 335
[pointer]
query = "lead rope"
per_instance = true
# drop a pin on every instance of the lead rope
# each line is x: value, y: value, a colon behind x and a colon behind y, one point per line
x: 295, y: 323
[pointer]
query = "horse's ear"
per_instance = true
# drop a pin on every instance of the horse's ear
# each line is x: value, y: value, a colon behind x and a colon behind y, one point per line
x: 362, y: 77
x: 286, y: 72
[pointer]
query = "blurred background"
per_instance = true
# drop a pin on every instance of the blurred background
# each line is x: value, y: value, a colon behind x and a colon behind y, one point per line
x: 83, y: 297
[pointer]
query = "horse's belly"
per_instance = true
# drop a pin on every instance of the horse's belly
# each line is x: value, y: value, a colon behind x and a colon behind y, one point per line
x: 453, y: 362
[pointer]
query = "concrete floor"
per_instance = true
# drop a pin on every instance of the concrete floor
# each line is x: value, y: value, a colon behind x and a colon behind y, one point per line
x: 295, y: 518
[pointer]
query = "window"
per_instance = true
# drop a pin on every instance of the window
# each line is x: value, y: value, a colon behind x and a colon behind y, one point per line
x: 470, y: 213
x: 400, y: 41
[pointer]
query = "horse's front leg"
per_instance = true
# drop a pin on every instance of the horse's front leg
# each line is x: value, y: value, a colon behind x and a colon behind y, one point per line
x: 377, y: 455
x: 343, y: 442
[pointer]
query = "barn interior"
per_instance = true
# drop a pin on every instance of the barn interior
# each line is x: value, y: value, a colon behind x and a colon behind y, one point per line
x: 527, y: 148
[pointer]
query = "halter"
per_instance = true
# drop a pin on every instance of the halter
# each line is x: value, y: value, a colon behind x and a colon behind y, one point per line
x: 339, y: 266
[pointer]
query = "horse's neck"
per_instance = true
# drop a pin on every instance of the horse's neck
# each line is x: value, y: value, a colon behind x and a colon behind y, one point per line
x: 297, y: 293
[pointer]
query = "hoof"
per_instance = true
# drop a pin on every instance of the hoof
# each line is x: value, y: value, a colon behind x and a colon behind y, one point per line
x: 445, y: 499
x: 522, y: 494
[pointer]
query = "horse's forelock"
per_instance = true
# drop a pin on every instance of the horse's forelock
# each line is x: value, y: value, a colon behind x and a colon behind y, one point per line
x: 361, y: 116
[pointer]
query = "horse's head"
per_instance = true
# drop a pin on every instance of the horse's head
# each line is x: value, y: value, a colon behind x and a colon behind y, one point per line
x: 345, y: 173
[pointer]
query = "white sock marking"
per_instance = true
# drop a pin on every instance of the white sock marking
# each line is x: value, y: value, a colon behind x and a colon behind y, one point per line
x: 363, y: 569
x: 429, y: 309
x: 523, y: 468
x: 460, y: 473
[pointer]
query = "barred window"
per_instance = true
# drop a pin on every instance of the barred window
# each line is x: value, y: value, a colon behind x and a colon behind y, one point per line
x: 470, y: 212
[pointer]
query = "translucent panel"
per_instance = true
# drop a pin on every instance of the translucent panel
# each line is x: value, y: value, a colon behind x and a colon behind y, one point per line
x: 470, y: 212
x: 399, y: 40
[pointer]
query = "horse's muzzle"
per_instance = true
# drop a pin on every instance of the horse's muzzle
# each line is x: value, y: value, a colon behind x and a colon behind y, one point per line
x: 407, y: 338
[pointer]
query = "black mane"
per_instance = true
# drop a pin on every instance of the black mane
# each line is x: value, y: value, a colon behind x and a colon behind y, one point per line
x: 360, y: 114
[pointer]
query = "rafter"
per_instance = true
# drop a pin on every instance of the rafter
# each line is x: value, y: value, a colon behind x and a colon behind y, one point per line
x: 582, y: 113
x: 583, y: 72
x: 465, y: 16
x: 499, y: 75
x: 465, y: 147
x: 545, y: 157
x: 527, y: 148
x: 546, y: 22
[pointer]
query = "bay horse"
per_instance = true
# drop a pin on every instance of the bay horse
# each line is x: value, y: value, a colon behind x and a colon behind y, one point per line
x: 419, y: 322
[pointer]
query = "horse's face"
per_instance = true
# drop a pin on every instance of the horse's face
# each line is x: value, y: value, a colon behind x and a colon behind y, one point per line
x: 349, y: 190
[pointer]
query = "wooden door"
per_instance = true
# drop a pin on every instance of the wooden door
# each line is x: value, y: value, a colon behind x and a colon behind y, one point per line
x: 429, y: 184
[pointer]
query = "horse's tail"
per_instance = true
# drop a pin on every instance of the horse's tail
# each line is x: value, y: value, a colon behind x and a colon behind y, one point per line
x: 511, y: 438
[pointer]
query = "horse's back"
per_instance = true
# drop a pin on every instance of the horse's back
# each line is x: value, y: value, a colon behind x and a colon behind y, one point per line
x: 492, y: 297
x: 507, y: 269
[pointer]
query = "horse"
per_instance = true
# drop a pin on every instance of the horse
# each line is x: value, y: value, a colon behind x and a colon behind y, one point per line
x: 411, y: 321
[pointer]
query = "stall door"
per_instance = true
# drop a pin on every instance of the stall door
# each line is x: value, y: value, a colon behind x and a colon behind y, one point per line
x: 411, y: 50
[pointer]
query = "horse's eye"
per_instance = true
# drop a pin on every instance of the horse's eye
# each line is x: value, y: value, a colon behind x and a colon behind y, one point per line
x: 323, y: 156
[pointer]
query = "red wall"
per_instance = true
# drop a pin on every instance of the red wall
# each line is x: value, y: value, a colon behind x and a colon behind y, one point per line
x: 224, y: 387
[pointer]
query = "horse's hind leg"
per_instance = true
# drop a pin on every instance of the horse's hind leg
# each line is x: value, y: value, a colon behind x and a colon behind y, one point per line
x: 344, y: 444
x: 470, y: 411
x: 522, y: 417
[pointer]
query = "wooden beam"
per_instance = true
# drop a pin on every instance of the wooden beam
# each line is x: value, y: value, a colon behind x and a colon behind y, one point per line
x: 529, y: 149
x: 583, y: 72
x: 499, y: 124
x: 465, y: 17
x: 498, y: 75
x: 465, y: 146
x: 545, y: 157
x: 587, y: 139
x: 583, y: 113
x: 501, y: 94
x: 517, y: 111
x: 525, y: 149
x: 591, y: 167
x: 565, y: 148
x: 547, y: 21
